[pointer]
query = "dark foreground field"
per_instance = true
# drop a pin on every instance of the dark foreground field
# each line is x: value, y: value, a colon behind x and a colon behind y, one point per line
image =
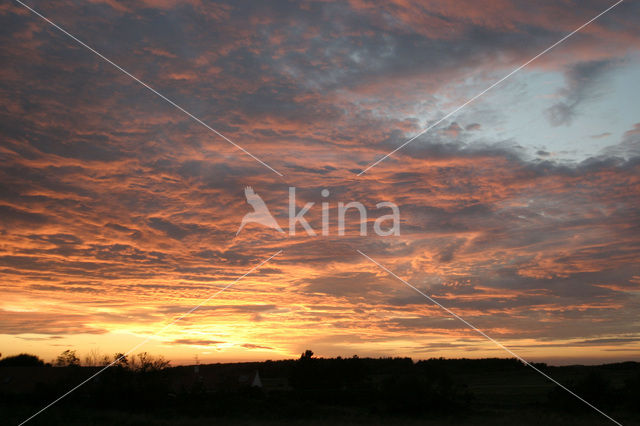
x: 313, y: 391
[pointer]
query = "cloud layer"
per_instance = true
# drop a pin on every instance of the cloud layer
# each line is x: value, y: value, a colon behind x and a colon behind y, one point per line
x: 119, y: 213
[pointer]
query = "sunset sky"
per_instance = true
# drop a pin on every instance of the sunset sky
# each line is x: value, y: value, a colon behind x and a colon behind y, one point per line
x: 520, y: 213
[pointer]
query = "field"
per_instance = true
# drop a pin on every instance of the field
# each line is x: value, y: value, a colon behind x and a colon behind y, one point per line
x: 327, y: 392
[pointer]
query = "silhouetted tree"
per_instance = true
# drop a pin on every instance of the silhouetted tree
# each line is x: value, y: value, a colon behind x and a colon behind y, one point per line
x: 120, y: 360
x: 304, y: 373
x: 94, y: 358
x: 67, y: 358
x: 147, y: 362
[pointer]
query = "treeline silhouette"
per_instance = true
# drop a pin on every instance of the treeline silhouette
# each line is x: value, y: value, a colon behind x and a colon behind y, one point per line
x: 142, y: 361
x: 311, y: 387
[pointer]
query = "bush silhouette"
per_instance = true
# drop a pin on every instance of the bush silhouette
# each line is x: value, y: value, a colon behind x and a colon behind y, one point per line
x: 22, y: 360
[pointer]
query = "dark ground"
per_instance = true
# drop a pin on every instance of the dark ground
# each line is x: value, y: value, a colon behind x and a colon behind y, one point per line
x: 313, y: 391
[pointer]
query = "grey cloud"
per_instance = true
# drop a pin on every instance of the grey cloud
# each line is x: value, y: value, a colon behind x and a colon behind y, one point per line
x: 11, y: 215
x: 629, y: 146
x: 197, y: 342
x: 240, y: 309
x: 254, y: 346
x: 45, y: 323
x: 582, y: 83
x: 355, y: 286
